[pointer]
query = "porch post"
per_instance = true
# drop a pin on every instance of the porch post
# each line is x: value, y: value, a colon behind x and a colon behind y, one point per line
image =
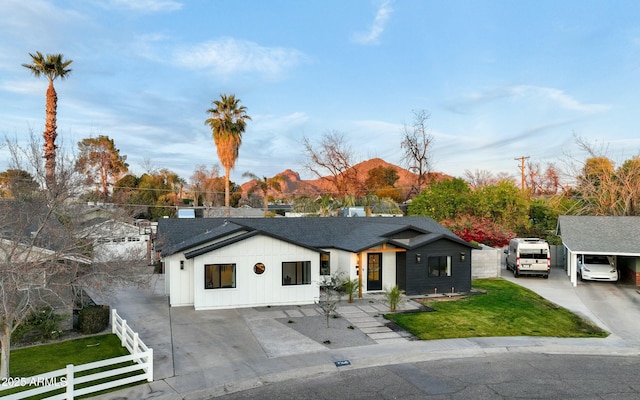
x: 573, y: 268
x: 359, y: 275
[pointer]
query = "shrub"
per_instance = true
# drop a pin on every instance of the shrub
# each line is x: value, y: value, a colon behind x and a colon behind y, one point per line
x: 93, y: 319
x: 479, y: 230
x: 40, y: 325
x: 350, y: 287
x: 393, y: 297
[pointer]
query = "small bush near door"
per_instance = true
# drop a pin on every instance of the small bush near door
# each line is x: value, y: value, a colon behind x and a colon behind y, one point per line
x: 393, y: 297
x: 93, y: 319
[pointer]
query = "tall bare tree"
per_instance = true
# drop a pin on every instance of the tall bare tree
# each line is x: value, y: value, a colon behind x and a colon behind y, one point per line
x: 44, y: 259
x: 416, y: 142
x: 228, y: 120
x: 603, y: 189
x: 332, y: 159
x: 207, y: 187
x: 479, y: 178
x: 629, y: 178
x: 52, y: 66
x: 541, y: 181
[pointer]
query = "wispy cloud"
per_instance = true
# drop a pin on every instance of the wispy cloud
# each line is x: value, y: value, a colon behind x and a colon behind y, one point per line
x: 377, y: 27
x: 149, y: 6
x: 526, y: 133
x: 566, y: 101
x: 552, y: 96
x: 273, y: 123
x: 228, y: 56
x: 23, y: 86
x: 378, y: 126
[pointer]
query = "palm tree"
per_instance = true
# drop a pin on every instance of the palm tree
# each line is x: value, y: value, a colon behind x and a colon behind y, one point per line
x: 52, y: 66
x: 264, y: 184
x: 326, y: 205
x: 227, y: 121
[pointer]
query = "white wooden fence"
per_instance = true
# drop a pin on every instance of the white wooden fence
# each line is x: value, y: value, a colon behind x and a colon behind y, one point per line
x: 65, y: 378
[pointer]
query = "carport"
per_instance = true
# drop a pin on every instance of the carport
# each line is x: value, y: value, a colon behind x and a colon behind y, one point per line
x: 602, y: 235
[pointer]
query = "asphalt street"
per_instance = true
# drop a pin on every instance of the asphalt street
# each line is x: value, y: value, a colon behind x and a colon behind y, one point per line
x: 491, y: 377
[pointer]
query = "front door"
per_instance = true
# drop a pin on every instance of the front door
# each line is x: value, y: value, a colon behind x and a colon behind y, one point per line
x: 374, y: 271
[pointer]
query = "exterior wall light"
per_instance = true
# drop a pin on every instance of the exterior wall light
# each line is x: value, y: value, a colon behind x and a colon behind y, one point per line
x: 462, y: 256
x: 418, y: 258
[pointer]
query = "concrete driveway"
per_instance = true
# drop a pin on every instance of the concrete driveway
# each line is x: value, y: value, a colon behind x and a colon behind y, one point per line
x: 206, y: 354
x: 615, y: 307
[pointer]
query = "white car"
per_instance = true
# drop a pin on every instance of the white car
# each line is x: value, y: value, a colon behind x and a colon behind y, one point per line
x: 597, y: 268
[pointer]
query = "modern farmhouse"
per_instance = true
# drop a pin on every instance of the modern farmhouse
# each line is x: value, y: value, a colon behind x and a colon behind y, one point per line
x: 217, y: 263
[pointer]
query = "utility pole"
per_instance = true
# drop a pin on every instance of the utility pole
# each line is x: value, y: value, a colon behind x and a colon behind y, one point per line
x: 522, y: 168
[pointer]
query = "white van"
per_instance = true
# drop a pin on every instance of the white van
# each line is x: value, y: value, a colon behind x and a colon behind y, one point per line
x: 529, y: 256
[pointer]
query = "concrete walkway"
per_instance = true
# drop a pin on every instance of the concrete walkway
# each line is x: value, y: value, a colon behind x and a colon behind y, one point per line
x: 205, y: 354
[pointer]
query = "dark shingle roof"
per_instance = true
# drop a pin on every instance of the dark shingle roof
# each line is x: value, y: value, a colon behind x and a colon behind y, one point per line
x: 350, y: 234
x: 600, y: 234
x: 174, y: 239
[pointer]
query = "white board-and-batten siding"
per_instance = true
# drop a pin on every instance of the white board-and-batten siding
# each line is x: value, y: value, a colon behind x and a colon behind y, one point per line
x: 179, y: 281
x: 252, y: 289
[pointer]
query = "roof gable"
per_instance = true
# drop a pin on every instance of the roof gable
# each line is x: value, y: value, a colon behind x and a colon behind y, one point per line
x: 407, y: 232
x: 239, y: 238
x: 218, y: 233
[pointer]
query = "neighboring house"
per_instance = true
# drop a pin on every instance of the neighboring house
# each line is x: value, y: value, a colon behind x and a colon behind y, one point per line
x: 602, y: 235
x: 21, y: 258
x: 27, y: 253
x: 116, y: 240
x: 216, y: 263
x: 361, y: 211
x: 92, y: 210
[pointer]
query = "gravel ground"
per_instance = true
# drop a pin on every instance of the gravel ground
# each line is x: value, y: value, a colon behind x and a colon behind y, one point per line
x: 336, y: 336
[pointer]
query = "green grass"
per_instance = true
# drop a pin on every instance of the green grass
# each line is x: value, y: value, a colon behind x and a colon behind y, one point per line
x: 36, y: 360
x: 506, y: 309
x: 49, y: 357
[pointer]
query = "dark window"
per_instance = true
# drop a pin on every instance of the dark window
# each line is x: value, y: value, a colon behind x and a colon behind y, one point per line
x: 325, y: 264
x: 439, y: 266
x: 535, y: 256
x: 596, y: 260
x: 218, y: 276
x: 296, y: 273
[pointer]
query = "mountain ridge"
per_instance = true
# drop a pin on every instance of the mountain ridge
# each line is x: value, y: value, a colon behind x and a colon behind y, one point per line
x: 292, y: 184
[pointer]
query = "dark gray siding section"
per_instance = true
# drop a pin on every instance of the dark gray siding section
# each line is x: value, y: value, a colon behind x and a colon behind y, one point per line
x: 401, y: 271
x: 418, y: 282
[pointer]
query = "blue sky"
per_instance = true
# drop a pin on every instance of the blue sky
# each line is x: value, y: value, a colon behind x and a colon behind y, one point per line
x: 501, y: 79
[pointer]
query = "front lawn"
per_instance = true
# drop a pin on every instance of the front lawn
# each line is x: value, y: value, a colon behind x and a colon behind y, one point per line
x: 36, y: 360
x: 506, y: 309
x: 30, y: 361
